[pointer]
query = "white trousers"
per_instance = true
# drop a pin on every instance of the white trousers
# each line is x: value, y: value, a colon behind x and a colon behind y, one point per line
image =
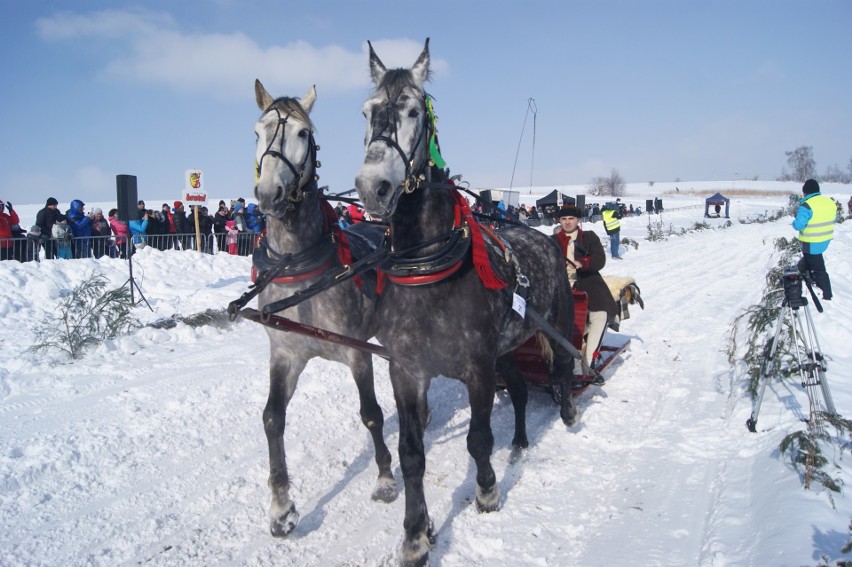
x: 592, y: 338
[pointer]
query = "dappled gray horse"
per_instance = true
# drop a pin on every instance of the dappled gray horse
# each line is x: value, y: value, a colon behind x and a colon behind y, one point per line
x: 444, y: 308
x: 302, y: 225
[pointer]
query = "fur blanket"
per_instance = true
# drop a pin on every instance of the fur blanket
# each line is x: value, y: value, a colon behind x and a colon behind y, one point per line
x: 625, y: 292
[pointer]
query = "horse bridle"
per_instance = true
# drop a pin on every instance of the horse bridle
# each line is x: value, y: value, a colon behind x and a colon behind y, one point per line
x: 296, y: 189
x: 412, y: 179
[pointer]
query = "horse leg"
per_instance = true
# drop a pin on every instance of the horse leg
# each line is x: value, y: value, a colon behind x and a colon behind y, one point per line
x: 563, y: 361
x: 283, y: 378
x: 480, y: 440
x: 373, y: 419
x: 564, y: 368
x: 410, y: 395
x: 517, y: 387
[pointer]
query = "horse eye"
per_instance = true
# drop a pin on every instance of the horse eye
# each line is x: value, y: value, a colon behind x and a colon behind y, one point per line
x: 303, y: 133
x: 413, y: 113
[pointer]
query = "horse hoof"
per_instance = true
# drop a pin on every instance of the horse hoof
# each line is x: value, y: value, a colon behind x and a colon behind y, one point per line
x: 516, y: 455
x: 520, y: 443
x: 385, y: 490
x: 415, y: 550
x: 488, y: 500
x: 284, y: 524
x: 572, y: 418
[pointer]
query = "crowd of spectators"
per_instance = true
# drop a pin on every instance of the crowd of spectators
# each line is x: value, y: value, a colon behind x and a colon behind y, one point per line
x: 547, y: 215
x: 233, y: 228
x: 79, y: 233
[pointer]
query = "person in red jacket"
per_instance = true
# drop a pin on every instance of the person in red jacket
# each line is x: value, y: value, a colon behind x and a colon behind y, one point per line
x: 7, y: 220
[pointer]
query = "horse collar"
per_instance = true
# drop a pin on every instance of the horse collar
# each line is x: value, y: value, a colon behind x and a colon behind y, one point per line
x: 271, y: 267
x: 431, y: 268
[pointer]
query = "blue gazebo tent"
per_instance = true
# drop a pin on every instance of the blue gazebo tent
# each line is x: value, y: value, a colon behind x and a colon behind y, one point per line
x: 717, y: 200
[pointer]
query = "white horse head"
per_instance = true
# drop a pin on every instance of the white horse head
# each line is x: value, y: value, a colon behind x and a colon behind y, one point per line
x: 285, y: 158
x: 396, y: 143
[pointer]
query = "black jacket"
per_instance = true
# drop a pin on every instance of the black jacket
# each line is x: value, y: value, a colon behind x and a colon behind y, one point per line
x: 182, y: 224
x: 46, y: 218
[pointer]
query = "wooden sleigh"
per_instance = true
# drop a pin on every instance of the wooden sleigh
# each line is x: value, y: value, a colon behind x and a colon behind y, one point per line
x: 535, y: 362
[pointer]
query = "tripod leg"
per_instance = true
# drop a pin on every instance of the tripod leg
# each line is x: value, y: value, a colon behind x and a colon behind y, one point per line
x: 766, y: 369
x: 817, y: 363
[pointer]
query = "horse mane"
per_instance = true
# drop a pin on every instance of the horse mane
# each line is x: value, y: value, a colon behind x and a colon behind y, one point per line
x: 396, y: 80
x: 290, y: 105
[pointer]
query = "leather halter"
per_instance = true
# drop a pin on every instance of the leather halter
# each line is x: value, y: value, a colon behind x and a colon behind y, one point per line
x: 296, y: 189
x: 412, y: 180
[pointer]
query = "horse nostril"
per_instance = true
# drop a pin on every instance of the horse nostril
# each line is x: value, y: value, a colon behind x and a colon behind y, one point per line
x: 384, y: 187
x: 278, y: 194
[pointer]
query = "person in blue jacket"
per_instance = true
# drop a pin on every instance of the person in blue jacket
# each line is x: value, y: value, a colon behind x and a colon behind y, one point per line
x: 138, y: 229
x: 80, y: 225
x: 254, y: 218
x: 815, y: 220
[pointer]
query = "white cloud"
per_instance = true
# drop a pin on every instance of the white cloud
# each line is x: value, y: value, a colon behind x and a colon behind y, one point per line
x: 89, y: 183
x: 221, y: 64
x: 108, y: 24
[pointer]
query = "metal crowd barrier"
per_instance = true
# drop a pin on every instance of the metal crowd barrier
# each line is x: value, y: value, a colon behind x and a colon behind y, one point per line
x: 35, y: 249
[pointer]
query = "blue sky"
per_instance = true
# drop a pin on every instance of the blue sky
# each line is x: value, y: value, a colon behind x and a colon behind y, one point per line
x: 659, y: 90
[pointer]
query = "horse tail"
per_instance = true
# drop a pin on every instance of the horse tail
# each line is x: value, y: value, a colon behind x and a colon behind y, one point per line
x: 544, y: 347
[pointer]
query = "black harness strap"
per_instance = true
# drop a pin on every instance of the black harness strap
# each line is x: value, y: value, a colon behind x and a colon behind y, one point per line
x: 327, y: 280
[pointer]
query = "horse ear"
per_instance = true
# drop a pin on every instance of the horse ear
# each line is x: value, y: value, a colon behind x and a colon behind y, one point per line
x: 264, y: 100
x: 377, y: 68
x: 421, y: 66
x: 307, y: 101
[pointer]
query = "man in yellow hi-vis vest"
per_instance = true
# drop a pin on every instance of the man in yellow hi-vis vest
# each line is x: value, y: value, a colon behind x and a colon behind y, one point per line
x: 815, y: 220
x: 611, y: 214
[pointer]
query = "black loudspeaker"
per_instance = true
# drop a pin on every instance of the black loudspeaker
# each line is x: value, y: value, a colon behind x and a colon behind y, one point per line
x: 649, y: 206
x: 126, y: 197
x: 581, y: 202
x: 486, y: 201
x: 658, y: 203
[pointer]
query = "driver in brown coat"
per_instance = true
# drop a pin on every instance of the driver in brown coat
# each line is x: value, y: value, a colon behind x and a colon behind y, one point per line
x: 584, y: 259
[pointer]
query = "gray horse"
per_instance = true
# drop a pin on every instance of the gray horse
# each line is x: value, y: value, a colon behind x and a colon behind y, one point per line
x: 447, y: 306
x: 301, y: 224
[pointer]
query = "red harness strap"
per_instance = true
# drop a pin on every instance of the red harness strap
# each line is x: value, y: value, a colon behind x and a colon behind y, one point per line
x: 296, y: 278
x: 480, y: 253
x: 426, y: 278
x: 344, y: 253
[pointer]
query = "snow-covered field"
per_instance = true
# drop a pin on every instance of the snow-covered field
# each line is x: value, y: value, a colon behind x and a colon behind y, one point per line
x: 150, y: 450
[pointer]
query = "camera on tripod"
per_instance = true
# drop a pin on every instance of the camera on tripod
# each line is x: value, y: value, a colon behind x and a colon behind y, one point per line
x: 804, y: 345
x: 791, y: 278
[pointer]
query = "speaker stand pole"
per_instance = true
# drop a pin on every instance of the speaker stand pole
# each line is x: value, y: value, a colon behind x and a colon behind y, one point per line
x: 130, y: 280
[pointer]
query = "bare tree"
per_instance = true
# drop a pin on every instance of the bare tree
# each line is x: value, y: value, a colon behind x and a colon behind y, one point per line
x: 613, y: 185
x: 833, y: 174
x: 801, y: 161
